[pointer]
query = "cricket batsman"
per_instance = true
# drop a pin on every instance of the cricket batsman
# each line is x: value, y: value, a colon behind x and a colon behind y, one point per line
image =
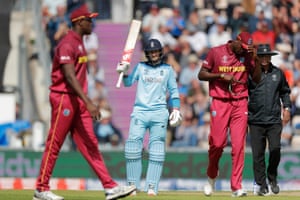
x: 155, y: 82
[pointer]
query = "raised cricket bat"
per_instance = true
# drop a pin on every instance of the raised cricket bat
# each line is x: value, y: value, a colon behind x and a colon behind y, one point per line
x: 129, y: 46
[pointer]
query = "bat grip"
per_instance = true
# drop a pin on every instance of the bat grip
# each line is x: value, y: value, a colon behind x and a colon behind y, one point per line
x: 120, y: 80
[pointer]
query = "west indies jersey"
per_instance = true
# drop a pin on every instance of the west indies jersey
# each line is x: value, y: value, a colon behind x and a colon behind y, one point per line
x: 221, y: 59
x: 70, y: 50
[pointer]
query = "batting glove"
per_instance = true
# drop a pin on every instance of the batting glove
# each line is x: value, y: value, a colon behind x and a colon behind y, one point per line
x: 123, y: 67
x: 175, y: 118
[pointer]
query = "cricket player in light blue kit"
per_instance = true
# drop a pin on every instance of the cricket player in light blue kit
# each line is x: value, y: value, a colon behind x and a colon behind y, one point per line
x: 155, y: 84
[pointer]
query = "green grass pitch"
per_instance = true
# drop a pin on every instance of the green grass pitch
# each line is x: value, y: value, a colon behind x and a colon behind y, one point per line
x: 164, y: 195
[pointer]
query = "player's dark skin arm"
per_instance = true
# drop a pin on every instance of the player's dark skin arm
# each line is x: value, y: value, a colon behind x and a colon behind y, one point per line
x: 70, y: 76
x: 256, y: 72
x: 205, y: 75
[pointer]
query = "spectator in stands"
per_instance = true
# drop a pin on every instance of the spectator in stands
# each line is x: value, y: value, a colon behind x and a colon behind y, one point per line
x: 282, y: 23
x: 57, y: 27
x: 165, y: 37
x: 151, y: 22
x: 237, y: 20
x: 198, y: 99
x: 220, y: 35
x: 284, y: 61
x: 91, y: 43
x: 295, y: 98
x: 186, y: 133
x: 96, y: 87
x: 296, y: 48
x: 264, y: 35
x: 186, y: 7
x: 196, y: 37
x: 258, y: 17
x: 184, y: 51
x: 193, y: 22
x: 286, y: 135
x: 204, y: 131
x: 107, y: 133
x: 189, y: 73
x: 176, y: 23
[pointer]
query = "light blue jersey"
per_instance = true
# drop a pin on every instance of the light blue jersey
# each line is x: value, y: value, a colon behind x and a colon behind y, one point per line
x: 154, y: 84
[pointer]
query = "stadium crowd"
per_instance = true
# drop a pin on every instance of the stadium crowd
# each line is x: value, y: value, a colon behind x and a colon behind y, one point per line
x: 187, y: 31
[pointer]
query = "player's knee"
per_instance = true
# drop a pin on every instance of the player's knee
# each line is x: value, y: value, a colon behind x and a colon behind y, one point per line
x: 133, y: 149
x: 157, y: 151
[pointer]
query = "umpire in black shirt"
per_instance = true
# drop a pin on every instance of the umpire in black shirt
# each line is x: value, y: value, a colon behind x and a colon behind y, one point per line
x: 269, y: 110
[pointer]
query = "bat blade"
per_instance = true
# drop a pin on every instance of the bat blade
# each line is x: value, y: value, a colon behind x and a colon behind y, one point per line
x: 129, y: 46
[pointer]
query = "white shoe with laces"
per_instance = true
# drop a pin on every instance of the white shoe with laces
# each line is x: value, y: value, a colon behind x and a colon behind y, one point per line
x: 209, y: 187
x: 119, y: 192
x: 239, y: 193
x: 46, y: 195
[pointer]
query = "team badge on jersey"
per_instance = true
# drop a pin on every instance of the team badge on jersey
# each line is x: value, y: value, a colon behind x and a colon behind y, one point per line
x: 214, y: 113
x: 224, y: 59
x: 161, y: 72
x: 66, y: 112
x: 274, y: 77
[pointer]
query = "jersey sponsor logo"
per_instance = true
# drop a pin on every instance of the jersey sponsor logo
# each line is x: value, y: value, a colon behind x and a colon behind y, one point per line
x: 232, y: 69
x: 65, y: 58
x: 150, y: 79
x: 82, y: 59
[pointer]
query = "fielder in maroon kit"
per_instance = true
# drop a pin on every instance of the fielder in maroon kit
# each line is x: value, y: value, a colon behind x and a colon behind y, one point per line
x: 73, y: 111
x: 227, y: 68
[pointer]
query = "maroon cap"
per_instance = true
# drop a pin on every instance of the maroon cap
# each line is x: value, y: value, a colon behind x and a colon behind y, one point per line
x: 245, y: 38
x: 82, y: 12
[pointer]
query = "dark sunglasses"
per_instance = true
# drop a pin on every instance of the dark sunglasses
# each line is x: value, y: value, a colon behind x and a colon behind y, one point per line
x: 87, y: 19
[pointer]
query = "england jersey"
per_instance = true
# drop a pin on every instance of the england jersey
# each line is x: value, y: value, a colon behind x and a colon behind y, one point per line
x: 154, y: 85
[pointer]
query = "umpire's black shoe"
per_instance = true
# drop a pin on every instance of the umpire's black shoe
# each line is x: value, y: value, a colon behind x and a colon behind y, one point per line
x: 274, y: 187
x: 263, y: 191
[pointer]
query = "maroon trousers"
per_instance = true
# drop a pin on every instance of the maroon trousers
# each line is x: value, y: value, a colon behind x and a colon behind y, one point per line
x: 228, y: 116
x: 69, y: 115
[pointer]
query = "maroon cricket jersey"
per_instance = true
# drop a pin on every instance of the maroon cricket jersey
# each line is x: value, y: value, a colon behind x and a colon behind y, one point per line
x: 221, y: 59
x: 70, y: 50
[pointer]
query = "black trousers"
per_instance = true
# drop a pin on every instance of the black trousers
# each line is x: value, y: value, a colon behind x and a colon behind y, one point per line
x: 261, y: 137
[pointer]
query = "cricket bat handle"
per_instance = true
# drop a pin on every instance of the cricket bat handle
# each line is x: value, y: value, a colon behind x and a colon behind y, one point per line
x: 120, y: 80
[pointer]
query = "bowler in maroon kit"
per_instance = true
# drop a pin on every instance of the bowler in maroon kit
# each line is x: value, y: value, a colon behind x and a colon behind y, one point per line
x: 227, y: 68
x: 73, y: 112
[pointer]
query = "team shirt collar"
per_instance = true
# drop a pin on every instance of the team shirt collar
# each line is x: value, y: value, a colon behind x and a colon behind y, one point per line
x: 230, y: 52
x: 76, y: 35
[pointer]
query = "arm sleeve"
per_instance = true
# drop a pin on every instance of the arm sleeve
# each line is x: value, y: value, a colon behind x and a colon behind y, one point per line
x: 131, y: 78
x: 285, y: 92
x: 175, y: 103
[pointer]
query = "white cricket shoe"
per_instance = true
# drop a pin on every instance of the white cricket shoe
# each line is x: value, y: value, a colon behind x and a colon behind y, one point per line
x: 119, y: 192
x: 151, y: 192
x: 239, y: 193
x: 46, y: 195
x: 209, y: 187
x: 133, y: 193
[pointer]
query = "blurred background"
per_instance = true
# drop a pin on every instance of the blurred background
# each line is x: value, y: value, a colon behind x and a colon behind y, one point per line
x: 187, y: 29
